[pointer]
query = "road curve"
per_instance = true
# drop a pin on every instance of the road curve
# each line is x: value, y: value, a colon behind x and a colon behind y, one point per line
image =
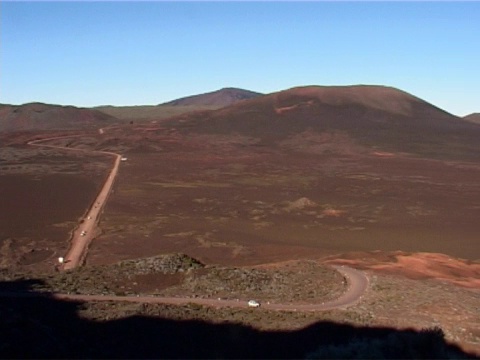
x: 357, y: 285
x: 83, y: 235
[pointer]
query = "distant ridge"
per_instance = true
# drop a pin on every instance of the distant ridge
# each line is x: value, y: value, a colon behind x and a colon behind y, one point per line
x: 39, y: 116
x: 220, y: 98
x: 474, y: 118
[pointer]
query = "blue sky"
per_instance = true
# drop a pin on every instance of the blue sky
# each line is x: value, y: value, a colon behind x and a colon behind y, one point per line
x: 131, y: 53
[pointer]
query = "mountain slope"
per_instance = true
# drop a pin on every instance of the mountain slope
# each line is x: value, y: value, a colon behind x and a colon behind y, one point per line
x: 475, y: 118
x: 209, y: 101
x: 374, y: 116
x: 150, y: 112
x: 219, y: 98
x: 38, y: 116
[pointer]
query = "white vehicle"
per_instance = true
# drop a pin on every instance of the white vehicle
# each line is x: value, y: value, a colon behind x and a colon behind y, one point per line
x: 83, y: 233
x: 253, y: 303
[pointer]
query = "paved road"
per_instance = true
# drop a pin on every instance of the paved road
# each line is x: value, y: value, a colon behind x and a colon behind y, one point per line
x: 357, y: 285
x: 84, y: 234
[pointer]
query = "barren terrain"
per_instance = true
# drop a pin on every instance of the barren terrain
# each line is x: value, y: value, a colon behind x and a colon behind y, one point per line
x: 231, y: 203
x: 257, y: 200
x: 44, y: 196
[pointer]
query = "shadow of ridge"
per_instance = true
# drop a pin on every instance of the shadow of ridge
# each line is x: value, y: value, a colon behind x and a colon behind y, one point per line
x: 44, y: 327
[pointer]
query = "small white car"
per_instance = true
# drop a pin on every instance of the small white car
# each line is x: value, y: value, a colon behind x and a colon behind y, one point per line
x: 253, y: 303
x: 83, y: 233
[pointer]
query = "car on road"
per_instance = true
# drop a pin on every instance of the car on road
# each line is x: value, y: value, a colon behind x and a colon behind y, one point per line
x: 83, y: 233
x: 253, y: 303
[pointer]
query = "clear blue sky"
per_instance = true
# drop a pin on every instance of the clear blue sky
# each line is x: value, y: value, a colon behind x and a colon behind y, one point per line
x: 130, y: 53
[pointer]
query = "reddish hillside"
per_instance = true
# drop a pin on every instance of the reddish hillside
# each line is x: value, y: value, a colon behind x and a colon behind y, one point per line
x: 38, y: 116
x: 475, y: 118
x: 219, y: 98
x: 374, y: 116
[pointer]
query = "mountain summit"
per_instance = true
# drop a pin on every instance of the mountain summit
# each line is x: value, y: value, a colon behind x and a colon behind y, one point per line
x: 368, y: 115
x: 220, y: 98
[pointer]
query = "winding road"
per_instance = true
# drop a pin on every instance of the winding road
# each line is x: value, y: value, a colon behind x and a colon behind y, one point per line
x: 84, y: 234
x: 357, y: 285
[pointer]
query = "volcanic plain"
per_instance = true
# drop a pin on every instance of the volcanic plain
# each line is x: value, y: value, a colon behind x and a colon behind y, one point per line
x: 285, y: 183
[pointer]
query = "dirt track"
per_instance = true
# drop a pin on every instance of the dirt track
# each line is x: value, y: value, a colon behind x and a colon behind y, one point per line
x: 358, y: 283
x: 79, y: 242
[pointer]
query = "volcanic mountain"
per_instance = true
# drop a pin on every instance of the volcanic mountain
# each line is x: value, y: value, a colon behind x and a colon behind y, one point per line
x: 209, y: 101
x: 39, y: 116
x: 377, y: 117
x: 220, y: 98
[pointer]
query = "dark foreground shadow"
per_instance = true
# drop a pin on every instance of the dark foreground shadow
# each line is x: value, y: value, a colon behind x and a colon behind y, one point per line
x: 42, y: 327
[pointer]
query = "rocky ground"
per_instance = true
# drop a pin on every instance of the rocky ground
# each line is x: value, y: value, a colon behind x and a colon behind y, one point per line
x: 393, y: 301
x: 233, y: 209
x: 183, y: 276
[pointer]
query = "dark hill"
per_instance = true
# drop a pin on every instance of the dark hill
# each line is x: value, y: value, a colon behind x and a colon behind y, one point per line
x: 220, y: 98
x: 375, y: 116
x: 209, y: 101
x: 475, y: 118
x: 39, y: 116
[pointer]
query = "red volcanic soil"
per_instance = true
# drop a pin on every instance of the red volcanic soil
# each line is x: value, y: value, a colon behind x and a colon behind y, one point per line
x: 37, y: 116
x: 219, y: 98
x: 416, y: 266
